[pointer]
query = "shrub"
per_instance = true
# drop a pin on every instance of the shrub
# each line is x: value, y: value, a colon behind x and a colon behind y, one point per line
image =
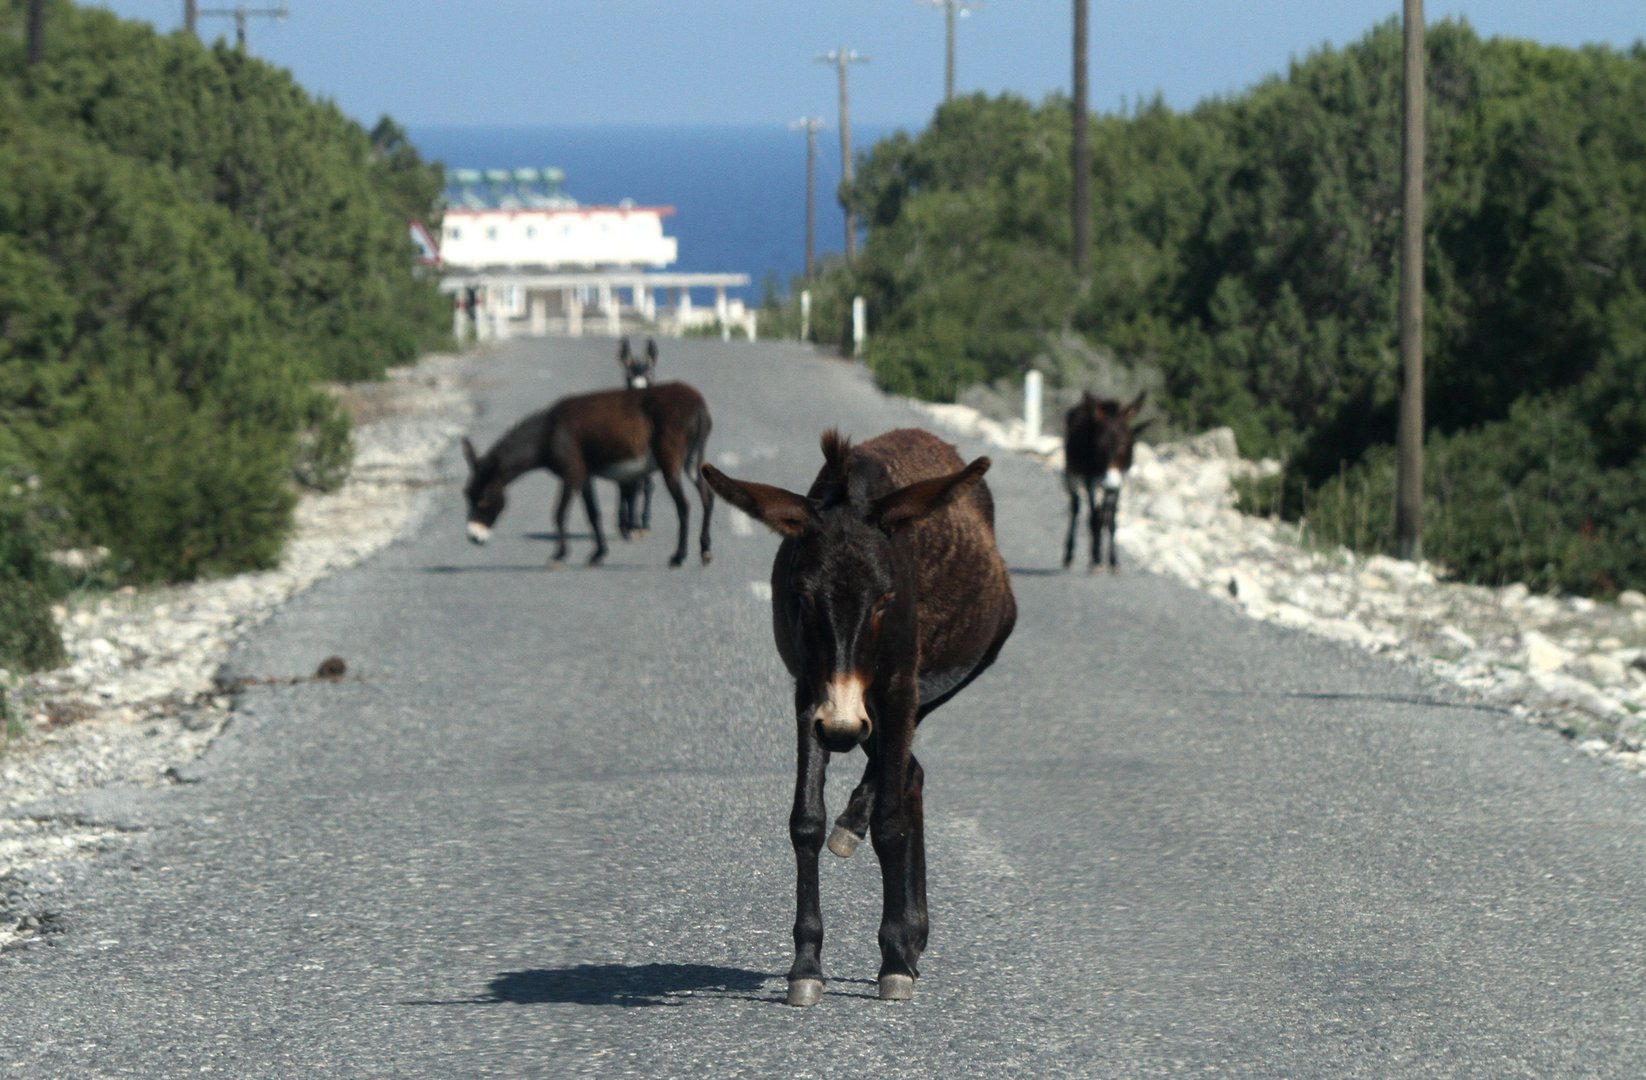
x: 28, y: 637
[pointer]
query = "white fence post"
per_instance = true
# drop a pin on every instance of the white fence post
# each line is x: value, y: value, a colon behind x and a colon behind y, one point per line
x: 860, y: 324
x: 1031, y: 407
x: 805, y: 314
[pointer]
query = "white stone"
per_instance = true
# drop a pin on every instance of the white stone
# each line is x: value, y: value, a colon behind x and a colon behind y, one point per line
x: 1541, y: 654
x: 1632, y: 599
x: 1600, y: 668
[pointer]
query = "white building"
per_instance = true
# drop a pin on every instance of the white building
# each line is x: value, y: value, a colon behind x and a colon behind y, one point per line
x: 519, y: 219
x: 579, y: 238
x: 514, y: 247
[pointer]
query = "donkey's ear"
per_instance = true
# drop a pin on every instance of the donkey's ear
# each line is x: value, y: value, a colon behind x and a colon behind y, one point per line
x: 1137, y: 403
x: 651, y: 350
x: 623, y: 353
x: 835, y: 449
x: 779, y: 510
x: 468, y: 453
x: 914, y: 502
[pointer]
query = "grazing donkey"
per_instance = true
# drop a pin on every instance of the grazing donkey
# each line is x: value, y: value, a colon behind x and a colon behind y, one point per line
x: 888, y: 597
x: 1097, y: 447
x: 614, y: 434
x: 634, y: 497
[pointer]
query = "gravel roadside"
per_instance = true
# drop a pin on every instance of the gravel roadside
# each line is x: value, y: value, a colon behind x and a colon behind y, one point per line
x: 142, y: 696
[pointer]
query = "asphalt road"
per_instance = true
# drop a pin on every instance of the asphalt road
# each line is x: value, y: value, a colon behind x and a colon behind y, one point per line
x: 543, y: 833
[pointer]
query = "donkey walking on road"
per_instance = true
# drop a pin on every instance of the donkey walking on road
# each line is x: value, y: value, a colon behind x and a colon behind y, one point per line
x: 619, y: 435
x: 889, y: 596
x: 1098, y: 436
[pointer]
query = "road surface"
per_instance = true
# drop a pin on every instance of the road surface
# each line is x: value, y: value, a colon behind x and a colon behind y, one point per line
x: 543, y: 832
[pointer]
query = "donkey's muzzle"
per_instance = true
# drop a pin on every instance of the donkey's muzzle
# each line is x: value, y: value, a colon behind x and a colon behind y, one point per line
x: 842, y: 717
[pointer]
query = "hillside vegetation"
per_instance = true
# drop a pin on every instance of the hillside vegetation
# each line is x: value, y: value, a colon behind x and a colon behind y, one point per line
x: 1246, y: 266
x: 190, y: 245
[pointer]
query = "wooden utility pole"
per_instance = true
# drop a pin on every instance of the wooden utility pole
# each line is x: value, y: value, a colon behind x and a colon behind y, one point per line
x: 810, y: 125
x: 1082, y: 148
x: 840, y: 58
x: 191, y: 16
x: 240, y: 13
x: 1409, y: 473
x: 37, y: 31
x: 952, y: 9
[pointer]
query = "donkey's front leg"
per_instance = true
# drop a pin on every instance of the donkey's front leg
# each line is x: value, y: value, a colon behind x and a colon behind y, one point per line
x: 1074, y: 521
x: 853, y: 823
x: 1094, y: 515
x: 897, y: 826
x: 591, y: 506
x: 1111, y: 510
x: 806, y: 832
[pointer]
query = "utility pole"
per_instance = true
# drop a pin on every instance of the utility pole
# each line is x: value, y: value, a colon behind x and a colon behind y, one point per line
x: 810, y: 125
x: 952, y: 9
x: 840, y: 58
x: 1082, y: 148
x: 240, y: 13
x: 191, y: 16
x: 37, y: 32
x: 1409, y: 471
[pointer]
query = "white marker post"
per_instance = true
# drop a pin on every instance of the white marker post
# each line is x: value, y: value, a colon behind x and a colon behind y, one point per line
x: 1031, y: 407
x: 805, y: 314
x: 860, y: 324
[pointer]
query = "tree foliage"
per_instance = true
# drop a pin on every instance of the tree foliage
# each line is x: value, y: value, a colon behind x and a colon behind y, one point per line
x: 189, y: 245
x: 1246, y: 253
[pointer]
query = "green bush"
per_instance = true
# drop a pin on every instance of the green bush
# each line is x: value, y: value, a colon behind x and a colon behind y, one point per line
x: 177, y: 490
x: 28, y: 636
x: 189, y: 244
x: 1247, y: 251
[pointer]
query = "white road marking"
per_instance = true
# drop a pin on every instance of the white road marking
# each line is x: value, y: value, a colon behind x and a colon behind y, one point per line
x: 762, y: 591
x: 742, y: 525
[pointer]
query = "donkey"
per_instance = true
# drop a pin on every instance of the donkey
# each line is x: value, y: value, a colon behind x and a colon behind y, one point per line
x: 889, y: 596
x: 634, y: 497
x: 1097, y: 447
x: 614, y: 434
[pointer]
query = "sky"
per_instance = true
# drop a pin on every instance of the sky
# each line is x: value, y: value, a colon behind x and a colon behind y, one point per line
x: 683, y: 62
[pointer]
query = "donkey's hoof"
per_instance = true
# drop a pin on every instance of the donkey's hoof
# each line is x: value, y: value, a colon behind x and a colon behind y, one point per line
x: 676, y: 562
x: 896, y: 988
x: 708, y: 557
x: 843, y: 842
x: 805, y: 992
x: 557, y: 563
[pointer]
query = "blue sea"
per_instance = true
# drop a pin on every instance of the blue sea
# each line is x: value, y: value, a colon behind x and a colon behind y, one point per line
x: 739, y: 192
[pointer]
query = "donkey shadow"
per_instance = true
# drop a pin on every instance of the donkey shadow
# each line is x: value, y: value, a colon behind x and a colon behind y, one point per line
x: 627, y: 985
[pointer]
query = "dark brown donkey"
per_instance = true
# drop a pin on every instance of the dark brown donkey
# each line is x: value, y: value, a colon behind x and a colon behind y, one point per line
x: 888, y: 597
x: 1098, y: 435
x: 634, y: 497
x: 615, y: 435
